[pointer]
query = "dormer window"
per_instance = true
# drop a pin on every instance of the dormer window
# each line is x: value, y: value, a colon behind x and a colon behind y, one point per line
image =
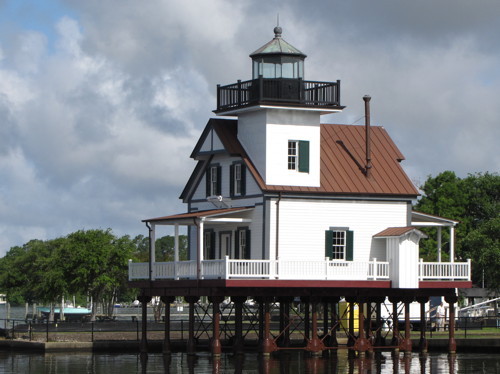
x: 298, y: 155
x: 237, y: 176
x: 213, y: 180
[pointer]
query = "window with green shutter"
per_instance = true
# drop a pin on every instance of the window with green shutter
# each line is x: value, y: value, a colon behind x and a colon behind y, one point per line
x: 298, y: 155
x: 237, y: 174
x: 339, y: 244
x: 213, y: 178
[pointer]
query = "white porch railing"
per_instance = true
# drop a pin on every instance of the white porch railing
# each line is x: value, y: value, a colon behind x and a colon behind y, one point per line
x: 444, y: 270
x: 264, y: 269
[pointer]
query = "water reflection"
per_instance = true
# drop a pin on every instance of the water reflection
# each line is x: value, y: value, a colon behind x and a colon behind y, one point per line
x: 282, y: 362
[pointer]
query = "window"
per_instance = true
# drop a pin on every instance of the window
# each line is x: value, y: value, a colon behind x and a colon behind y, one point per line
x: 339, y: 244
x: 242, y: 250
x: 237, y: 177
x: 298, y: 155
x: 213, y: 180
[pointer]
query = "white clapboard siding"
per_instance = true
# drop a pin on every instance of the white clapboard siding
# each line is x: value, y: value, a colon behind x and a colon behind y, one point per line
x: 303, y: 224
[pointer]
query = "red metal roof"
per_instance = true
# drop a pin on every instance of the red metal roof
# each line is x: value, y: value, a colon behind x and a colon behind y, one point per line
x: 342, y: 151
x: 394, y: 231
x: 197, y: 214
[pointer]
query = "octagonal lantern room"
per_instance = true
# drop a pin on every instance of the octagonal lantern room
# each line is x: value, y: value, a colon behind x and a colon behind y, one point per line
x: 278, y: 81
x: 278, y: 59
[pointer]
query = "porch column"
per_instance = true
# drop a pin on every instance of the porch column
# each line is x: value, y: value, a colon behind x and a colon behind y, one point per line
x: 423, y: 323
x: 167, y: 300
x: 452, y: 344
x: 152, y: 251
x: 439, y: 245
x: 176, y: 242
x: 452, y: 244
x: 200, y: 226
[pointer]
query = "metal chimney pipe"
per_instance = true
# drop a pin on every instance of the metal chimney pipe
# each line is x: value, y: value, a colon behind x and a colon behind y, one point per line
x: 368, y: 164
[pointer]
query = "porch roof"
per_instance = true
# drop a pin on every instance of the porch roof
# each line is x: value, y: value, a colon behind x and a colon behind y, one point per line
x: 398, y: 231
x: 191, y: 217
x: 426, y: 220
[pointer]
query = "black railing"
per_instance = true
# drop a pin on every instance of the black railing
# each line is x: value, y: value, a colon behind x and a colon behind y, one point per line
x: 278, y: 91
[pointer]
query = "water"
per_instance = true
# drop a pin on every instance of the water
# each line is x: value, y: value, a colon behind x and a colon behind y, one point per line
x: 293, y: 362
x: 202, y: 362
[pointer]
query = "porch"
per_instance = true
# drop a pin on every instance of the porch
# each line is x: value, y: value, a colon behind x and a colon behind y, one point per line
x: 291, y: 270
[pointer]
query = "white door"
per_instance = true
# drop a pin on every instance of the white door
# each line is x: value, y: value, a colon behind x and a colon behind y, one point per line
x: 225, y: 245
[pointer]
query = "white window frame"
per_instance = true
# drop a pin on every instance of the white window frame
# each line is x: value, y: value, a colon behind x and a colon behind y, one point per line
x: 237, y: 179
x: 339, y: 244
x: 293, y: 155
x: 213, y: 180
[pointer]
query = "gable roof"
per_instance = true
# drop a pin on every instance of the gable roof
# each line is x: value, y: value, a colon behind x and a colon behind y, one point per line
x: 342, y: 151
x: 398, y: 231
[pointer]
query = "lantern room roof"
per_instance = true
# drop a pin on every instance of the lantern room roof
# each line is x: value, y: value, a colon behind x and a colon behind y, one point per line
x: 277, y: 46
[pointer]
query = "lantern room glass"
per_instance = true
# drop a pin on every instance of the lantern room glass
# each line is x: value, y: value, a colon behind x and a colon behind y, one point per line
x: 278, y: 67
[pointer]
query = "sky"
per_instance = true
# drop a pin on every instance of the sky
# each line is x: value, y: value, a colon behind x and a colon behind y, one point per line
x: 102, y: 102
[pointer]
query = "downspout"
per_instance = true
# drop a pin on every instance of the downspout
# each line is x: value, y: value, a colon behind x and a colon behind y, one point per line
x: 150, y: 247
x: 198, y: 247
x: 278, y: 225
x: 368, y: 164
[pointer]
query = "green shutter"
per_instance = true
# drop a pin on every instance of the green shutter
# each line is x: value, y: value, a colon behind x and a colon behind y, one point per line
x: 304, y: 156
x: 237, y: 244
x: 349, y: 245
x: 212, y: 245
x: 243, y: 180
x: 247, y: 245
x: 231, y: 180
x: 207, y: 180
x: 329, y: 243
x: 219, y: 180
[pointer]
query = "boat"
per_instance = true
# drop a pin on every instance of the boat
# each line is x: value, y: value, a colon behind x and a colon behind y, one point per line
x: 70, y: 314
x: 3, y: 298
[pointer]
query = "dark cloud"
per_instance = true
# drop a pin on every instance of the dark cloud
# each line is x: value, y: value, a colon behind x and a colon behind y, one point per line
x: 100, y: 112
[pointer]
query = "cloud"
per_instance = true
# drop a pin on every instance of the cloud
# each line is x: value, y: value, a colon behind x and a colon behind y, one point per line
x: 101, y: 105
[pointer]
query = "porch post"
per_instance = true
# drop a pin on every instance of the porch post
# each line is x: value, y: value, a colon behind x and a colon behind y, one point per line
x: 176, y: 250
x: 152, y: 251
x: 176, y: 242
x: 452, y: 244
x: 144, y: 322
x: 439, y: 243
x: 200, y: 225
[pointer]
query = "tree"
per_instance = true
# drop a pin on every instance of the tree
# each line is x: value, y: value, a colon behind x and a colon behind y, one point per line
x: 90, y: 263
x: 474, y: 202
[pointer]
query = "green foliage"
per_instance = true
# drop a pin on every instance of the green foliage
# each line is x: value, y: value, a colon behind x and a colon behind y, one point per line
x: 91, y: 263
x: 474, y: 202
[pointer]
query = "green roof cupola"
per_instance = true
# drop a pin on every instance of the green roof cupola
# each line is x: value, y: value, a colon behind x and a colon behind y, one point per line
x: 278, y: 59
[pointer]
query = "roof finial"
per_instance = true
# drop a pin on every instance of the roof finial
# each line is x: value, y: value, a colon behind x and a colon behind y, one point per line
x: 277, y: 29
